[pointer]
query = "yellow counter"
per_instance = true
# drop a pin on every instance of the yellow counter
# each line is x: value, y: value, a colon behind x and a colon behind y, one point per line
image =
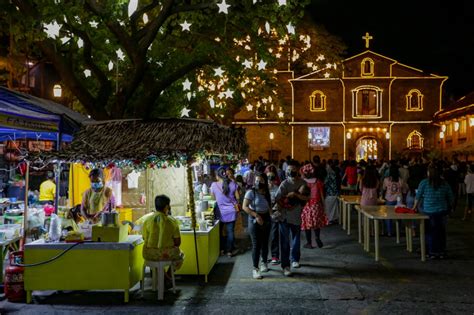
x: 88, y: 266
x: 208, y: 251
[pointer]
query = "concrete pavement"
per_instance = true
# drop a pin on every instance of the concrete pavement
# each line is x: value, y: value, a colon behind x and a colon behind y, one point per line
x: 339, y: 279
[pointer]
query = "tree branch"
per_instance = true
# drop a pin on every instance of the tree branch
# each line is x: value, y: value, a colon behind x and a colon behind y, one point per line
x: 154, y: 26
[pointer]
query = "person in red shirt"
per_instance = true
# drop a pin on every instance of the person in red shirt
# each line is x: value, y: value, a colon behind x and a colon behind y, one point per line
x: 350, y: 174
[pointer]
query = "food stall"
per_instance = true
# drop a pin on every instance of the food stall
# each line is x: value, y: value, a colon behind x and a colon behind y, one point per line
x: 165, y: 150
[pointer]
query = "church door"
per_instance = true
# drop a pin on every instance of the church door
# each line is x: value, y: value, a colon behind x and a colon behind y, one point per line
x: 367, y: 148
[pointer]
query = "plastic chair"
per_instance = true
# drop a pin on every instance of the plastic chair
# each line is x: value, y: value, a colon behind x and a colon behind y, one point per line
x: 157, y: 269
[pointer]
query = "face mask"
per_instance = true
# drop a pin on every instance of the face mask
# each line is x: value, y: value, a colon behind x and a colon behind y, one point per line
x: 97, y: 185
x: 271, y: 178
x: 259, y: 184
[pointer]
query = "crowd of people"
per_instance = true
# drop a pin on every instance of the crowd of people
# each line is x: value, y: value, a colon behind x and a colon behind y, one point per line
x: 279, y: 200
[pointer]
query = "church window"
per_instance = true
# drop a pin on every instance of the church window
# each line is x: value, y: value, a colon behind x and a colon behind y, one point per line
x: 367, y: 67
x: 317, y: 101
x: 463, y: 127
x: 414, y: 100
x: 367, y: 102
x: 415, y: 140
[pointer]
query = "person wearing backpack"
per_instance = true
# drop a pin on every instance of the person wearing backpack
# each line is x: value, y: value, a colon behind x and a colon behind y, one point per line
x: 394, y: 189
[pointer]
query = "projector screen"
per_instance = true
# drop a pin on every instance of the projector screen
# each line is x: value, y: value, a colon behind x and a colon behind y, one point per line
x: 319, y: 137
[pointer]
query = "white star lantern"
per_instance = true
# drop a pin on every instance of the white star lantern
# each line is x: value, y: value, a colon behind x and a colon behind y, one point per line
x: 281, y: 114
x: 187, y: 85
x: 87, y: 73
x: 80, y: 43
x: 249, y: 107
x: 247, y: 64
x: 52, y: 29
x: 185, y: 112
x: 223, y: 6
x: 110, y: 65
x: 185, y: 26
x: 281, y: 2
x: 93, y: 24
x: 120, y: 54
x: 65, y: 39
x: 261, y: 65
x: 218, y: 72
x: 267, y: 27
x: 229, y: 93
x: 327, y: 75
x: 291, y: 28
x: 132, y: 7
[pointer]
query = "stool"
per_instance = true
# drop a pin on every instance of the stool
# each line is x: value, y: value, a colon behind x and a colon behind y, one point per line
x: 157, y: 269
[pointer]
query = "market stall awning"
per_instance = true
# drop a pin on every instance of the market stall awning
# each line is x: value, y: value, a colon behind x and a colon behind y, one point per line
x: 13, y: 134
x: 28, y: 113
x: 166, y: 139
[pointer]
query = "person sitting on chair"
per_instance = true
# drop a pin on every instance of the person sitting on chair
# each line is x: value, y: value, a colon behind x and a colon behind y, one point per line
x: 161, y: 235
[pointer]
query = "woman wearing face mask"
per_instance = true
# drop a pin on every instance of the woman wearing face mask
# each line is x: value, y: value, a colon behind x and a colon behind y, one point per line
x: 257, y: 204
x: 97, y: 198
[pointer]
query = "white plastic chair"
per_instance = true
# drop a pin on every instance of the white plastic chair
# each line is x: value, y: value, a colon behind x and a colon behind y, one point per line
x: 157, y: 269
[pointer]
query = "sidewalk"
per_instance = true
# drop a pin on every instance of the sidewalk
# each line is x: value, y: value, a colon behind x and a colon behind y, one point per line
x: 339, y: 279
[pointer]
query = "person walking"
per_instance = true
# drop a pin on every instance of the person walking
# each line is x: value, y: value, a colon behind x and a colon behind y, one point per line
x: 469, y: 181
x: 275, y: 226
x: 289, y: 199
x: 438, y: 201
x: 313, y: 217
x: 393, y: 188
x: 257, y: 204
x: 331, y: 204
x: 369, y: 187
x: 225, y: 192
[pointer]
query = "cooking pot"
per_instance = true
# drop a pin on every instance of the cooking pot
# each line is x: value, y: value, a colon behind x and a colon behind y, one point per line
x: 109, y: 218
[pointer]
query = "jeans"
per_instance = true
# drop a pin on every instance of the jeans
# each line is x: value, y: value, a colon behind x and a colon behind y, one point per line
x: 227, y: 242
x: 388, y: 223
x: 289, y: 238
x: 275, y: 239
x: 259, y: 235
x: 436, y: 233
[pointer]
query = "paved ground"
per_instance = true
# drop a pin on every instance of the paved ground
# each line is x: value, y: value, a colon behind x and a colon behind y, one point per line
x: 338, y: 279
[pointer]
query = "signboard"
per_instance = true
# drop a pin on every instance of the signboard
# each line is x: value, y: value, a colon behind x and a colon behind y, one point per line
x: 319, y: 137
x: 27, y: 123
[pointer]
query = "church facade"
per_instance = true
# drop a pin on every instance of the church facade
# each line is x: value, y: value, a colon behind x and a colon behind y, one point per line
x: 377, y: 108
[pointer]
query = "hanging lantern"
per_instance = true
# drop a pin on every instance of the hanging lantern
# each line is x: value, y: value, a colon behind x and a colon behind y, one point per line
x: 348, y: 135
x: 387, y: 135
x: 57, y: 90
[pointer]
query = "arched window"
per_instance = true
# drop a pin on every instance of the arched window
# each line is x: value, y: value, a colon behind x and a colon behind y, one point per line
x: 367, y: 102
x: 414, y: 100
x: 367, y: 67
x: 415, y: 140
x: 317, y: 101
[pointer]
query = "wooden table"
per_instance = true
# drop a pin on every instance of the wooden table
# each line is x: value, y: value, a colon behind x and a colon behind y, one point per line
x: 347, y: 201
x: 380, y: 213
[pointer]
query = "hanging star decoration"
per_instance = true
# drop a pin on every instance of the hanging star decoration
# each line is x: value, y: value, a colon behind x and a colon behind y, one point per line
x: 187, y: 85
x: 65, y: 39
x: 132, y: 7
x: 120, y: 54
x: 80, y: 43
x: 223, y: 6
x: 247, y: 64
x: 229, y: 93
x: 185, y: 26
x: 145, y: 18
x: 262, y: 65
x: 281, y: 114
x: 52, y: 29
x: 249, y: 107
x: 281, y: 2
x: 110, y: 65
x: 327, y: 75
x: 93, y: 24
x: 87, y: 73
x: 218, y: 72
x: 185, y: 112
x: 291, y: 28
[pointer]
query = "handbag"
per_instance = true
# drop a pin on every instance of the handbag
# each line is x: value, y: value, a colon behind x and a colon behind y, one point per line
x: 236, y: 205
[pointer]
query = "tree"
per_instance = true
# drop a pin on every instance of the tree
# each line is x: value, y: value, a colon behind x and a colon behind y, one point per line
x: 148, y: 58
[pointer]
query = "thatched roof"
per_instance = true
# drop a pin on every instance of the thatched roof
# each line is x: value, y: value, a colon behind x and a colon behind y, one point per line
x: 166, y: 139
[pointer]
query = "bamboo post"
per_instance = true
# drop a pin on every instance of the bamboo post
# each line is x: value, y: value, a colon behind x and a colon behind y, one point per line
x: 192, y: 209
x: 25, y: 212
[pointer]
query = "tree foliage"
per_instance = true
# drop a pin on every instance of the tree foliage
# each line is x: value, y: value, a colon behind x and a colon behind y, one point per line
x: 121, y: 63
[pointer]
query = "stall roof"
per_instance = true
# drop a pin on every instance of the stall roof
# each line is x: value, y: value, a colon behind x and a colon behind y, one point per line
x: 26, y: 112
x: 165, y: 139
x: 15, y: 134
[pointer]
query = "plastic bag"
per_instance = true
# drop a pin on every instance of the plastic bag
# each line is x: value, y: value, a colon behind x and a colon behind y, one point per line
x: 35, y: 218
x: 55, y: 228
x: 86, y: 229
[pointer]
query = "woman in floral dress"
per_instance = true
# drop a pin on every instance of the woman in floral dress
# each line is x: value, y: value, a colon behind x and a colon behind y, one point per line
x: 313, y: 216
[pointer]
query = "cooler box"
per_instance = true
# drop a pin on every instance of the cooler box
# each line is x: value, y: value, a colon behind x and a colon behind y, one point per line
x: 109, y: 233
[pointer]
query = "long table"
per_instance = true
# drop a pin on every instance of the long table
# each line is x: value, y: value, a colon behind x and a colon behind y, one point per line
x: 88, y: 266
x: 347, y: 201
x: 380, y: 213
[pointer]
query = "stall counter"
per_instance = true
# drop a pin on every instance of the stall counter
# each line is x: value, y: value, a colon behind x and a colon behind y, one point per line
x: 88, y: 266
x: 208, y: 251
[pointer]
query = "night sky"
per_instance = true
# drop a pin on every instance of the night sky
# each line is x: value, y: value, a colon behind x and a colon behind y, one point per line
x: 434, y: 36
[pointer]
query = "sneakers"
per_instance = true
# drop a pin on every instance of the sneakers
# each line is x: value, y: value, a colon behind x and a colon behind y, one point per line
x: 295, y: 264
x: 275, y: 261
x: 256, y: 274
x: 263, y: 267
x: 319, y: 242
x: 287, y: 272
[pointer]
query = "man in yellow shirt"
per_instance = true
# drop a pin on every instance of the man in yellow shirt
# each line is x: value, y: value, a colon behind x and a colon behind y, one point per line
x: 47, y: 190
x: 161, y: 234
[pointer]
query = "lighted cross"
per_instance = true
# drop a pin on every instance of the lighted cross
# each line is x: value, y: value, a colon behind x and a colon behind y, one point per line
x: 367, y: 39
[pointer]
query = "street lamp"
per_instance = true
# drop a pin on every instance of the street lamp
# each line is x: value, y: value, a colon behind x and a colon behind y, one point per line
x: 271, y: 136
x: 441, y: 137
x: 57, y: 90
